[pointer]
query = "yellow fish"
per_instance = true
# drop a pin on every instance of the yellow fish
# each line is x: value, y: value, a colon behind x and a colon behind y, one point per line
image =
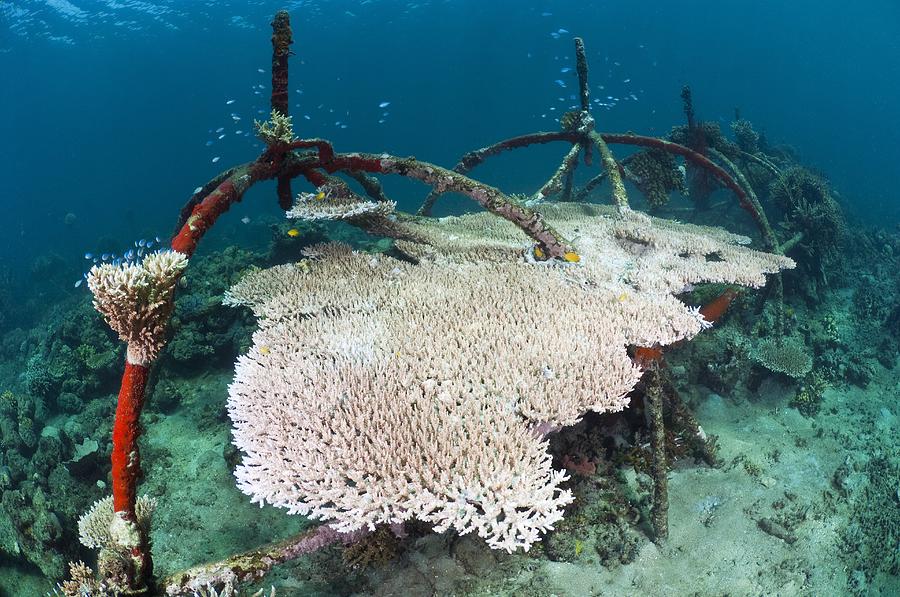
x: 622, y: 297
x: 538, y: 253
x: 572, y: 257
x: 293, y: 233
x: 263, y: 350
x: 320, y: 195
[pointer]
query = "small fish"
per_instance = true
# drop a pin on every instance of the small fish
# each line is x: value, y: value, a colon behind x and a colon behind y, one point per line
x: 306, y: 116
x: 220, y: 129
x: 565, y: 69
x: 216, y: 159
x: 560, y: 82
x: 546, y: 14
x: 104, y: 257
x: 561, y: 30
x: 78, y: 283
x: 222, y: 136
x: 229, y: 102
x: 235, y: 118
x: 259, y: 70
x: 142, y: 243
x: 197, y: 190
x: 88, y: 255
x: 320, y: 195
x: 293, y: 233
x: 263, y: 350
x: 245, y: 220
x: 149, y: 244
x: 384, y: 104
x: 238, y: 132
x: 627, y: 81
x: 381, y: 121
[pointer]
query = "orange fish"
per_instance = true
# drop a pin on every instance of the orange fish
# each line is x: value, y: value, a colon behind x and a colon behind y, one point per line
x: 715, y: 309
x: 645, y: 356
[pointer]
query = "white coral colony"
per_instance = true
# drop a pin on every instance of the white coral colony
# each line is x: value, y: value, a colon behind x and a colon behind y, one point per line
x: 378, y: 390
x: 135, y: 299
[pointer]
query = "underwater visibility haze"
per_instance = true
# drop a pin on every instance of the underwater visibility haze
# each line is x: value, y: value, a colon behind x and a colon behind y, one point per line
x: 449, y: 297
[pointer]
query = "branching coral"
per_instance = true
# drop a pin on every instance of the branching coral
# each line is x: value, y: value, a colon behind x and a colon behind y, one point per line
x: 136, y: 300
x: 93, y: 526
x: 337, y: 202
x: 656, y: 174
x: 351, y: 408
x: 811, y: 214
x: 277, y: 130
x: 747, y: 138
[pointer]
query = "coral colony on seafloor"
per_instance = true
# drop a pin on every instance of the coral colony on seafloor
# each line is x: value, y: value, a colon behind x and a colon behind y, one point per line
x: 424, y: 385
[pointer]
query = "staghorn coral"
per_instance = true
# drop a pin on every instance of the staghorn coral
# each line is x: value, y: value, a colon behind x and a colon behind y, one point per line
x: 82, y: 583
x: 135, y: 299
x: 379, y: 391
x: 277, y: 130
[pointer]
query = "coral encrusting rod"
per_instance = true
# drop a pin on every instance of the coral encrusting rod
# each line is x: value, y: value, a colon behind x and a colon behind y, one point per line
x: 282, y: 38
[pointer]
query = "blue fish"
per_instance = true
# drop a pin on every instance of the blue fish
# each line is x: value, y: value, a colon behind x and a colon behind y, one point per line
x: 88, y: 255
x: 142, y: 242
x: 104, y: 257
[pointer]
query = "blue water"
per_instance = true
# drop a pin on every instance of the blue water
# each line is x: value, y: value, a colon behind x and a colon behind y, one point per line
x: 112, y: 112
x: 106, y: 107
